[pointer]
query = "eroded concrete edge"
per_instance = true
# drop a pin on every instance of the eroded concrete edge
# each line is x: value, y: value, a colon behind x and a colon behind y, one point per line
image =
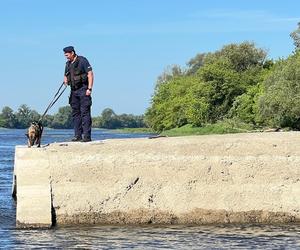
x: 196, y: 217
x: 34, y: 190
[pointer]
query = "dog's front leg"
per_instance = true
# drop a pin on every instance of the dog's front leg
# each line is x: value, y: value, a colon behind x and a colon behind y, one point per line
x: 38, y: 142
x: 28, y: 140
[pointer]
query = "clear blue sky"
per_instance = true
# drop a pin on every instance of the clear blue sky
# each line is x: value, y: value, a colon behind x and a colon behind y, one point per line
x: 128, y: 43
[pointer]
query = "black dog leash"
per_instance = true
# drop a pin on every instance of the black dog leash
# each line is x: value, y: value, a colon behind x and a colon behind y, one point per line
x: 58, y: 94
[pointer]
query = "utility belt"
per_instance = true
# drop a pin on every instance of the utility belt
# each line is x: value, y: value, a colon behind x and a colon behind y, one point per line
x: 78, y: 85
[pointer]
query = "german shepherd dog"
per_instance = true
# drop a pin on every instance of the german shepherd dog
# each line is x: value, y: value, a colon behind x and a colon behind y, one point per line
x: 34, y: 134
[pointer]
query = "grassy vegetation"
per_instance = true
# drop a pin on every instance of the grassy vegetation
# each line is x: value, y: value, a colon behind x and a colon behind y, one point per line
x: 135, y: 130
x: 222, y: 127
x: 226, y: 126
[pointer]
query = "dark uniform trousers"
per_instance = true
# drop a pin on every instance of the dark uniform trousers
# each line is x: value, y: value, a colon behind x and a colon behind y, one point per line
x: 81, y: 112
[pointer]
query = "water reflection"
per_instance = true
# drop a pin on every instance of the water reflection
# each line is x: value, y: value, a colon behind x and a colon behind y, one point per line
x: 151, y: 237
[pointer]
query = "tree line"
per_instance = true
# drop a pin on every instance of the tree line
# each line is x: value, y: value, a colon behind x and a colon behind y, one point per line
x: 63, y: 119
x: 237, y: 82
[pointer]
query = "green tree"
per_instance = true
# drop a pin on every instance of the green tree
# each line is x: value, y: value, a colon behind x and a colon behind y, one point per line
x: 225, y: 86
x: 198, y: 102
x: 23, y: 116
x: 167, y: 108
x: 246, y: 106
x: 34, y: 115
x: 240, y: 56
x: 178, y: 102
x: 96, y: 122
x: 280, y: 104
x: 48, y: 120
x: 195, y: 63
x: 207, y: 90
x: 295, y: 35
x: 2, y: 121
x: 63, y: 119
x: 140, y: 121
x: 8, y: 117
x: 169, y: 73
x: 127, y: 121
x: 109, y: 119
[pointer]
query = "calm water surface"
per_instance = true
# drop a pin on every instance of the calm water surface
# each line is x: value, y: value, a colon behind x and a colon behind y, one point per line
x: 138, y: 237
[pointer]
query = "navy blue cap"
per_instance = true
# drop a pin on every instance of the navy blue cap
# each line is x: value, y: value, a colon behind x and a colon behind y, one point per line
x: 69, y: 49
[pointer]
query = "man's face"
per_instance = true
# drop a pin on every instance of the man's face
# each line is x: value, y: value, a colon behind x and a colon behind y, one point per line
x: 70, y: 56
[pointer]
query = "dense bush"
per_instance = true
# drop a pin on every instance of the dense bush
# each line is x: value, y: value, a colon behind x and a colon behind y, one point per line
x: 280, y: 103
x: 208, y: 94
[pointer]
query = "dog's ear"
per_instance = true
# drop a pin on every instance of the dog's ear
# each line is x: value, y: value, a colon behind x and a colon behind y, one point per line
x: 27, y: 135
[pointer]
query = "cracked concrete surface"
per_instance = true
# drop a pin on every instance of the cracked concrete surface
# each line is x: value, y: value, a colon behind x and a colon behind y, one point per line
x: 235, y: 178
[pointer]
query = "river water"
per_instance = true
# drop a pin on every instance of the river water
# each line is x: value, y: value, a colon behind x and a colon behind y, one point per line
x: 138, y: 237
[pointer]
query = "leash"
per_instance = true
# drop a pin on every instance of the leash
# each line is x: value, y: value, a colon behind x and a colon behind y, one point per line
x: 58, y: 94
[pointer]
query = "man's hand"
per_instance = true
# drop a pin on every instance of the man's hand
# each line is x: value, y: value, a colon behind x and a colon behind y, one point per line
x: 88, y: 92
x: 65, y: 81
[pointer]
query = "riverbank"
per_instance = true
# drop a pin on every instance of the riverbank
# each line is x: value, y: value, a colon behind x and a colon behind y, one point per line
x: 209, y: 129
x: 135, y: 130
x: 227, y: 126
x: 187, y: 130
x: 224, y: 127
x: 233, y: 178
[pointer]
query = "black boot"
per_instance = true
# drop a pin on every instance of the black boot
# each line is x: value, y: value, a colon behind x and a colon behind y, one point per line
x: 86, y: 139
x: 76, y: 138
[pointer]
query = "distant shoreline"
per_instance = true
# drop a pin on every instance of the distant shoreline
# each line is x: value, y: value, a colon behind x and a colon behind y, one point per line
x: 187, y: 130
x: 120, y: 130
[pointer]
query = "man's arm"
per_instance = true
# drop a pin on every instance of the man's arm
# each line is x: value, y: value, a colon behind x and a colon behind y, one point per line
x: 88, y: 69
x: 91, y: 82
x: 90, y: 79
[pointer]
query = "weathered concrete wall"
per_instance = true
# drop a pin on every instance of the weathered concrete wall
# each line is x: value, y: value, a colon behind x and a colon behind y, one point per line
x: 33, y: 188
x: 236, y: 178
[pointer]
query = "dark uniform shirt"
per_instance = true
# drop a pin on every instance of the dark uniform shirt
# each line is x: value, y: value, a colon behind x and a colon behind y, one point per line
x: 83, y: 64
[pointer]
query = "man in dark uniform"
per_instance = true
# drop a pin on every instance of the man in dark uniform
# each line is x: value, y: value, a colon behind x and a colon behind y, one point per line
x: 79, y: 75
